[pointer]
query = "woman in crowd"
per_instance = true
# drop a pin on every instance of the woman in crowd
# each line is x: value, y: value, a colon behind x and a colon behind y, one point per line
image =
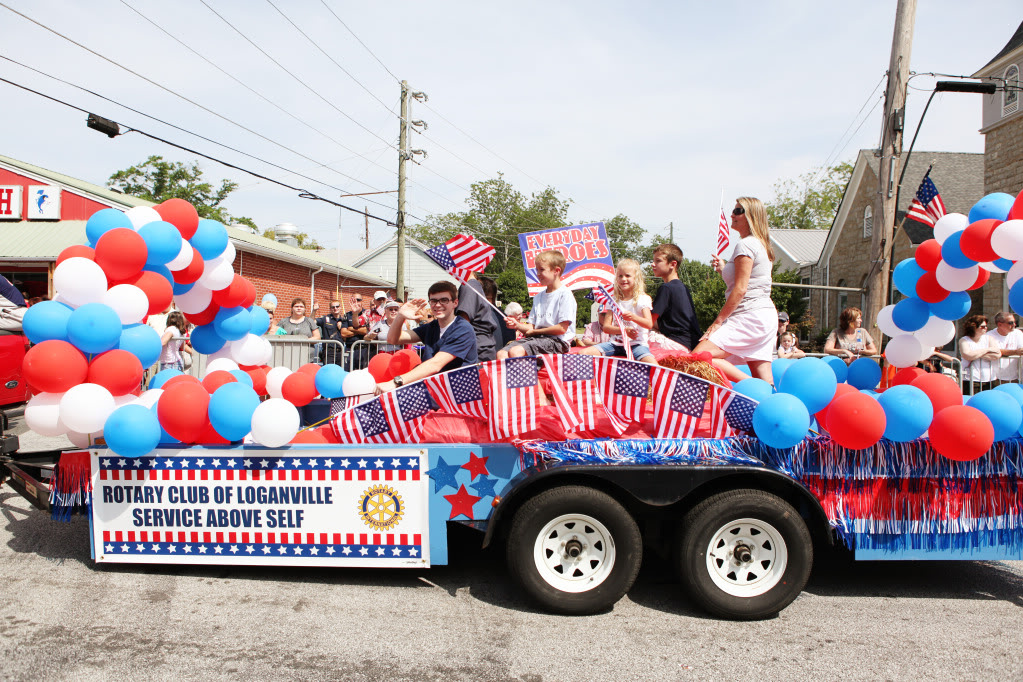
x: 980, y: 354
x: 849, y: 340
x: 300, y: 325
x: 747, y: 325
x: 170, y: 356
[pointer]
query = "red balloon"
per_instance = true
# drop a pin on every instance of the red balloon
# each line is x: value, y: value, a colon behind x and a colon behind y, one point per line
x: 928, y: 255
x: 310, y: 368
x: 822, y: 416
x: 205, y: 317
x: 250, y: 293
x: 191, y: 272
x: 928, y: 289
x: 976, y: 240
x: 379, y: 365
x: 181, y: 215
x: 182, y: 379
x: 217, y: 378
x: 211, y: 437
x: 942, y: 390
x: 233, y: 294
x: 961, y: 432
x: 403, y: 361
x: 299, y: 389
x: 121, y: 252
x: 157, y: 289
x: 54, y: 366
x: 907, y: 376
x: 258, y: 375
x: 182, y: 410
x: 856, y: 421
x: 119, y: 371
x: 1016, y: 212
x: 982, y: 277
x: 76, y: 251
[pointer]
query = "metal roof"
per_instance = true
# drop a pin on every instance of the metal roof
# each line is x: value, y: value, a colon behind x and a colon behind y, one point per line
x: 804, y: 246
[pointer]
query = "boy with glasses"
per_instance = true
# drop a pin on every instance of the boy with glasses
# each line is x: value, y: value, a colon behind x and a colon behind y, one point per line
x: 449, y: 340
x: 1010, y: 341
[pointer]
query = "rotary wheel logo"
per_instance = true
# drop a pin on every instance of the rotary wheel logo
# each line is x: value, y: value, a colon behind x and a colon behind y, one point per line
x: 381, y: 507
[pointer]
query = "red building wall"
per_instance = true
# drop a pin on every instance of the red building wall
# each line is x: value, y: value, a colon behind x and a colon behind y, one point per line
x: 72, y: 206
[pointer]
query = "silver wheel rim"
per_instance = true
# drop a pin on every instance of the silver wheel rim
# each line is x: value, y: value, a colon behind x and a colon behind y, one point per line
x: 574, y: 553
x: 746, y: 557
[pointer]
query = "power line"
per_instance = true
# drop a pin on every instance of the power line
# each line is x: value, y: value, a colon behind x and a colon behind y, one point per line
x: 396, y: 79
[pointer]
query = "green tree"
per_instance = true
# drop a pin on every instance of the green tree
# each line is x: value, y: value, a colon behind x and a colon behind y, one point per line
x: 157, y: 180
x: 303, y: 239
x: 810, y: 202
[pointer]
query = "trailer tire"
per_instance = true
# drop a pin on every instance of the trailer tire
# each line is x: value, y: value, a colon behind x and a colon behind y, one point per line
x: 574, y: 550
x: 744, y: 554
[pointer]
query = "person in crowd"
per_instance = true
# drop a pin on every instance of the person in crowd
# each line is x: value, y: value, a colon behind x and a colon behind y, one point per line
x: 379, y: 330
x: 933, y: 362
x: 746, y: 325
x: 449, y: 341
x: 673, y: 312
x: 789, y: 347
x: 354, y: 327
x: 980, y: 354
x: 783, y: 326
x: 630, y: 293
x: 329, y: 326
x: 270, y: 306
x: 376, y: 312
x: 173, y: 344
x: 474, y: 309
x: 1009, y: 340
x: 300, y: 325
x: 12, y: 306
x: 551, y: 324
x: 513, y: 309
x: 593, y: 335
x: 849, y: 340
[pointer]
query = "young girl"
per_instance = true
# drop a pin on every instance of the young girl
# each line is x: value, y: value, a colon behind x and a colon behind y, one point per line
x: 630, y: 293
x: 170, y: 356
x: 788, y: 347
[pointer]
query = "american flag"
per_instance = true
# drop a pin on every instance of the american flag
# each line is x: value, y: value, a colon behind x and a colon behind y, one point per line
x: 624, y: 386
x: 730, y: 412
x: 461, y: 391
x: 462, y: 255
x: 601, y: 296
x: 573, y: 379
x: 927, y: 206
x: 394, y: 417
x: 679, y: 401
x: 513, y: 383
x: 339, y: 405
x: 723, y: 232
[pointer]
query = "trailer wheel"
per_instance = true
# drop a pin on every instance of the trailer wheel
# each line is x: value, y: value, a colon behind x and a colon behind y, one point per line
x: 575, y: 550
x: 744, y: 554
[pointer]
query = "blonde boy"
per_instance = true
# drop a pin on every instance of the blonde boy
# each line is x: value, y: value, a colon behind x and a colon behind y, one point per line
x: 551, y: 324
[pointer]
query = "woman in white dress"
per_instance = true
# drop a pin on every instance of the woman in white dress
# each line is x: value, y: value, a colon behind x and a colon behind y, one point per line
x: 980, y: 354
x: 747, y: 325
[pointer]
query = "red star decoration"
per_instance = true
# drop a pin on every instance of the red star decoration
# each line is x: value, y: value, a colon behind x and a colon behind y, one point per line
x: 477, y: 466
x: 462, y: 502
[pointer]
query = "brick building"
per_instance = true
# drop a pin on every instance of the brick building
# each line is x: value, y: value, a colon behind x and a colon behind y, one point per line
x: 1002, y: 119
x: 42, y: 212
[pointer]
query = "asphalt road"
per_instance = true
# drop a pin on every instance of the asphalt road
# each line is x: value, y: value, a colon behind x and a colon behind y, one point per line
x: 63, y: 617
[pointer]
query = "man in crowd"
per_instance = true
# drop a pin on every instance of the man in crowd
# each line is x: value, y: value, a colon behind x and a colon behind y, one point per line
x: 353, y: 327
x: 330, y: 329
x: 1010, y: 341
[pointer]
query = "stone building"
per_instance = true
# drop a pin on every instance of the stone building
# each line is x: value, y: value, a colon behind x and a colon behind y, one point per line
x: 1002, y: 119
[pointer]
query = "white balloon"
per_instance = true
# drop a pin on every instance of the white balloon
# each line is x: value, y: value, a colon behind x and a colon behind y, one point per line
x: 83, y: 440
x: 991, y: 267
x: 228, y: 255
x: 142, y: 215
x: 224, y: 352
x: 275, y: 379
x: 904, y: 350
x: 885, y: 322
x: 936, y: 333
x: 1007, y: 239
x: 195, y: 300
x: 42, y: 414
x: 122, y: 400
x: 275, y: 422
x: 1014, y: 274
x: 183, y: 258
x: 956, y: 279
x: 216, y: 276
x: 149, y: 398
x: 949, y: 224
x: 250, y: 350
x: 128, y: 301
x: 79, y: 281
x: 359, y: 382
x: 84, y: 408
x: 226, y: 364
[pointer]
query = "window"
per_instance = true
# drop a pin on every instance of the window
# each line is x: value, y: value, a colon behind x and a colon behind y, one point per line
x: 1010, y: 95
x: 868, y: 222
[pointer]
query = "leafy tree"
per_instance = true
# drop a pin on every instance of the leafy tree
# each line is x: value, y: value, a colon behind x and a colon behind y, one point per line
x: 303, y: 239
x: 811, y: 202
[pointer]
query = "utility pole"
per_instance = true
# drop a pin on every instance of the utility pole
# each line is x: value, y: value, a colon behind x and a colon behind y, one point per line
x: 671, y: 232
x: 405, y: 154
x: 885, y: 207
x: 365, y: 211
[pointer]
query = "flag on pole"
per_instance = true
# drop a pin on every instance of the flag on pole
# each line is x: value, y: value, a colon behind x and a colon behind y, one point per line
x: 572, y: 378
x: 600, y: 295
x: 679, y: 401
x: 927, y: 206
x: 462, y: 255
x: 461, y: 391
x: 624, y: 386
x: 723, y: 232
x: 394, y: 417
x: 513, y: 384
x: 730, y: 412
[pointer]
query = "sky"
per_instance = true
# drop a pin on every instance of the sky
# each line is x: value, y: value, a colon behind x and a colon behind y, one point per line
x: 648, y: 109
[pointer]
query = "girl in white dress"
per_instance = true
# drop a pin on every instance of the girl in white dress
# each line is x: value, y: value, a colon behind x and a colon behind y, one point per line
x: 630, y: 293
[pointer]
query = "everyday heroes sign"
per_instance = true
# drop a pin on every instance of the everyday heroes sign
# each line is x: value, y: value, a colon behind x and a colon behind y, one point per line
x: 587, y: 255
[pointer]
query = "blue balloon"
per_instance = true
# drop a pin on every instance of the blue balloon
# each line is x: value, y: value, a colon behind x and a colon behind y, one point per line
x: 864, y: 373
x: 908, y: 412
x: 165, y: 438
x: 911, y: 314
x: 905, y: 275
x: 1015, y: 390
x: 163, y: 242
x: 205, y: 339
x: 162, y: 377
x: 232, y: 324
x: 182, y: 288
x: 1002, y: 409
x: 132, y: 431
x: 994, y: 206
x: 94, y: 328
x: 260, y: 320
x: 142, y: 341
x: 744, y: 369
x: 46, y: 320
x: 867, y: 391
x: 811, y: 381
x: 952, y: 253
x: 330, y: 378
x: 1003, y: 263
x: 242, y: 377
x: 103, y: 221
x: 1016, y: 297
x: 778, y: 368
x: 953, y: 307
x: 269, y: 298
x: 781, y: 420
x: 210, y: 239
x: 230, y: 409
x: 839, y: 367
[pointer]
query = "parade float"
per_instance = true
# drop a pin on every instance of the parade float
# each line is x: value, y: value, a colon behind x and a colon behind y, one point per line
x: 575, y: 464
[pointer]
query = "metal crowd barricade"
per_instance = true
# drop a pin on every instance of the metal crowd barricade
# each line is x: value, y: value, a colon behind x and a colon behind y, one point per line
x: 288, y: 351
x: 954, y: 370
x: 362, y: 351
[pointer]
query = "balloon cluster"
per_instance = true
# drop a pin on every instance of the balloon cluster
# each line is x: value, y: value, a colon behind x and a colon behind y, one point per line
x: 961, y: 256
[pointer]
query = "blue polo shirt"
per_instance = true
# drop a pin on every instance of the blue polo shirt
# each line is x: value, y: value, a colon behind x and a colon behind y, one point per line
x: 459, y: 339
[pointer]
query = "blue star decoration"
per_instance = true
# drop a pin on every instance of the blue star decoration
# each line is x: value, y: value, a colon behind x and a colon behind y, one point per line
x: 443, y: 475
x: 484, y: 487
